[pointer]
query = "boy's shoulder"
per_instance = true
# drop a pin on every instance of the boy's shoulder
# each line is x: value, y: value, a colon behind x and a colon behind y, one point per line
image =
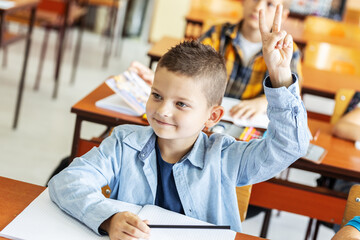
x: 132, y: 131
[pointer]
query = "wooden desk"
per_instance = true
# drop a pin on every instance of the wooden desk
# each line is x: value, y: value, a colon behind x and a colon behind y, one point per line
x: 86, y: 110
x: 342, y: 161
x: 160, y: 48
x: 15, y: 196
x: 7, y: 38
x: 326, y: 83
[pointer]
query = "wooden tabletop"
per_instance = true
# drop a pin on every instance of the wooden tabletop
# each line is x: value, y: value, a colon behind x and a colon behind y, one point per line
x: 15, y: 196
x: 326, y: 83
x: 342, y: 159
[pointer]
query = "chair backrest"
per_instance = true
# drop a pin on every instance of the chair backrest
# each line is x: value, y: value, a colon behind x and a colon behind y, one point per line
x: 331, y: 57
x: 342, y: 100
x: 352, y: 208
x: 53, y: 6
x: 243, y: 198
x: 330, y: 30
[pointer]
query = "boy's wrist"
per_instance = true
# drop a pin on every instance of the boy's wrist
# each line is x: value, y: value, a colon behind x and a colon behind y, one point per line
x: 281, y: 77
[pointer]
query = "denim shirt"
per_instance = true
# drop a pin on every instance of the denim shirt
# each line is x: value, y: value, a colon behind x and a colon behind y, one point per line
x: 205, y: 177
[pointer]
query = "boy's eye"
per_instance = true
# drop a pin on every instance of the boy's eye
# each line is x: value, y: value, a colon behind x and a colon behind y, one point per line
x: 156, y: 96
x: 181, y: 104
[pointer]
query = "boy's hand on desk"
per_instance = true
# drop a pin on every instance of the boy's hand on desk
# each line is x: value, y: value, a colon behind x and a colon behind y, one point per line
x: 126, y: 226
x: 143, y: 71
x: 277, y: 49
x: 248, y: 109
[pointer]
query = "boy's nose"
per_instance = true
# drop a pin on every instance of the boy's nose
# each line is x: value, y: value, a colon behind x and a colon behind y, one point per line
x: 165, y: 110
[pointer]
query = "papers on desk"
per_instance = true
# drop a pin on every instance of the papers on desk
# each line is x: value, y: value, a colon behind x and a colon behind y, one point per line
x: 260, y: 121
x: 6, y: 4
x: 42, y: 219
x: 131, y: 94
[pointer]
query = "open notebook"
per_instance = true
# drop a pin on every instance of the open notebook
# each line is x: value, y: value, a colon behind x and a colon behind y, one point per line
x: 42, y: 219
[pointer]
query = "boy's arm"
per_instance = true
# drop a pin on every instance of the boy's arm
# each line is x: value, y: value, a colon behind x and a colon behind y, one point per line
x: 287, y: 138
x: 348, y: 127
x: 77, y: 189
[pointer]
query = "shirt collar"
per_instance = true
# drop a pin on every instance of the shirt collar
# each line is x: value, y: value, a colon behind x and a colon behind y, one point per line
x: 233, y: 30
x: 144, y: 142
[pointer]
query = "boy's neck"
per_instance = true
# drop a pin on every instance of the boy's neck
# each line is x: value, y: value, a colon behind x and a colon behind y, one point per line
x: 173, y: 150
x: 250, y: 34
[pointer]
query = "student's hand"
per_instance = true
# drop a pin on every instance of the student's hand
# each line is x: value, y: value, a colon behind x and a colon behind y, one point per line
x: 143, y: 71
x: 277, y: 49
x: 126, y: 226
x: 248, y: 109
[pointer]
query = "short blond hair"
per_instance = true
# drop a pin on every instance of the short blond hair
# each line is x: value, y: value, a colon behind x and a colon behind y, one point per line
x: 201, y: 63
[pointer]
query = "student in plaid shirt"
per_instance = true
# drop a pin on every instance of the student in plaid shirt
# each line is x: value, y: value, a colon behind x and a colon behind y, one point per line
x: 240, y: 44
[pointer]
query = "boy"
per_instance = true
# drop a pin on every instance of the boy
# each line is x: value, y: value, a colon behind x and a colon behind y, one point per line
x: 172, y: 163
x: 240, y: 45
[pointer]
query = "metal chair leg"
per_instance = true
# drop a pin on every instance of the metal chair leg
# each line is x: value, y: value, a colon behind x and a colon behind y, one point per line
x: 77, y: 50
x: 266, y: 223
x: 42, y: 58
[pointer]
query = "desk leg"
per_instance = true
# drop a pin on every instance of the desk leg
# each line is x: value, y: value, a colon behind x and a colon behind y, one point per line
x: 22, y: 79
x: 76, y: 137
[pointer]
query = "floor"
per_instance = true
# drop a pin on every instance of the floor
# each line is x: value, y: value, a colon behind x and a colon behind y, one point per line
x: 44, y: 134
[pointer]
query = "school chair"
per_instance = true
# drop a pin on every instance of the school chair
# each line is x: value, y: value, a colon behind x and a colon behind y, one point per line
x: 115, y: 24
x: 342, y: 100
x: 334, y: 58
x: 56, y: 15
x: 352, y: 208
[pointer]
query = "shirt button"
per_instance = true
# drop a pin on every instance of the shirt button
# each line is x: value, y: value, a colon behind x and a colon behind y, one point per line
x: 189, y: 210
x: 142, y: 155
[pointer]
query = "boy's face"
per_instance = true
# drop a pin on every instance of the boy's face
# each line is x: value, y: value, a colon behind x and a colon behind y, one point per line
x: 251, y: 10
x: 177, y: 107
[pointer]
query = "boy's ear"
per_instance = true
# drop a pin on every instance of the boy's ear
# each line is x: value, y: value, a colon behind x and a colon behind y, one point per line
x: 217, y: 113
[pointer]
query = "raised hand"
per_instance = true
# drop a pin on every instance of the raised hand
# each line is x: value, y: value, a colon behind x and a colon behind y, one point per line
x: 277, y: 49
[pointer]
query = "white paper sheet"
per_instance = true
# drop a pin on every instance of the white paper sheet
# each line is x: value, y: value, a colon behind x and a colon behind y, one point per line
x: 43, y: 220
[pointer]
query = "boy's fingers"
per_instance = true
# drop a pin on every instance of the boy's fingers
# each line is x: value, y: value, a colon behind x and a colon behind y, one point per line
x: 138, y: 223
x: 275, y: 38
x: 288, y: 41
x: 277, y: 19
x: 262, y: 25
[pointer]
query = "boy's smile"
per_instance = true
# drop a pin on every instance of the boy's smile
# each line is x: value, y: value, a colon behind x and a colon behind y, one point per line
x: 177, y: 108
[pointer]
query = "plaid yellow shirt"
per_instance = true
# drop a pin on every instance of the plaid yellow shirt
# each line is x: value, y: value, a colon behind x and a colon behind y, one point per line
x: 244, y: 82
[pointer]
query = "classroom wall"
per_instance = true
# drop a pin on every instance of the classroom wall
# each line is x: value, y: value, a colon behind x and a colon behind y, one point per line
x: 169, y: 19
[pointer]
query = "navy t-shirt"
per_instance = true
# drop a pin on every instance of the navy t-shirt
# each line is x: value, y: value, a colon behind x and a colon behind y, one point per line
x: 166, y: 194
